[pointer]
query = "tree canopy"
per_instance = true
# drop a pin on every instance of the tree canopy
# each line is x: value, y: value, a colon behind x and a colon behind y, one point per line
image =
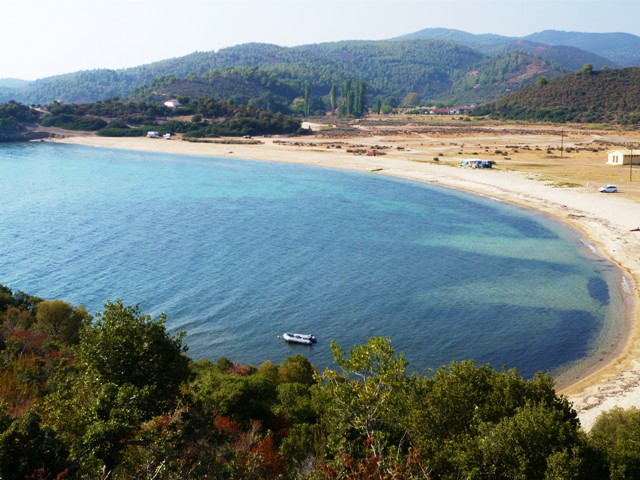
x: 123, y: 400
x: 126, y: 347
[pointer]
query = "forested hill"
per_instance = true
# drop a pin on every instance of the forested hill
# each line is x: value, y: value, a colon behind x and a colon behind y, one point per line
x: 435, y: 70
x: 476, y: 41
x: 390, y: 68
x: 607, y: 49
x: 431, y: 65
x: 621, y: 48
x: 605, y: 96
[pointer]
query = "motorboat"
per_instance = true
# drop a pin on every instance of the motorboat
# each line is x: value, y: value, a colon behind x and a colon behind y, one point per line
x: 301, y: 338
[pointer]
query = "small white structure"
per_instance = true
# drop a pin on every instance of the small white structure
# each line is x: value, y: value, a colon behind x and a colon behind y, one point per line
x: 173, y: 103
x: 623, y: 157
x: 153, y: 134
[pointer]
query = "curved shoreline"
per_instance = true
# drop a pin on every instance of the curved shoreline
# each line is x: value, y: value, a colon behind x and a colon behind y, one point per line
x: 604, y: 220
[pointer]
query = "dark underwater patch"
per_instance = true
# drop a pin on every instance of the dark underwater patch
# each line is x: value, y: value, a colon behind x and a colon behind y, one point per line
x: 599, y: 290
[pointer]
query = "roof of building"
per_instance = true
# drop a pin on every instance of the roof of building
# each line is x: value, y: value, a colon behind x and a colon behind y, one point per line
x: 627, y: 151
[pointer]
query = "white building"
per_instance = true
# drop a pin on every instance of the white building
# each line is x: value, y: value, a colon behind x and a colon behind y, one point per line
x: 624, y: 157
x: 173, y: 103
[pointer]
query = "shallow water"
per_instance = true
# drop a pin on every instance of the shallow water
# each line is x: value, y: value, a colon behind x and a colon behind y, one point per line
x: 237, y: 252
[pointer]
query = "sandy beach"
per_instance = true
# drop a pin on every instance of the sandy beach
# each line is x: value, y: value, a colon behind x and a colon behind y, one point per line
x: 531, y: 171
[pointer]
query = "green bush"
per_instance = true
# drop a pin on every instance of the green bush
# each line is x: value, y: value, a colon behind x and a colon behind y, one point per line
x: 74, y: 122
x: 121, y: 132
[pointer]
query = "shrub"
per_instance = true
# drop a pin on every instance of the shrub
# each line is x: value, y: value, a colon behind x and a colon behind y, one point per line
x: 74, y: 122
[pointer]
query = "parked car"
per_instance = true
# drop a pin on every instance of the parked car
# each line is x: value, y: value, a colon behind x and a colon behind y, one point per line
x: 609, y: 189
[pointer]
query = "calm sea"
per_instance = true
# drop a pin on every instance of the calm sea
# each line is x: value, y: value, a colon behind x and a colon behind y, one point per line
x: 237, y: 252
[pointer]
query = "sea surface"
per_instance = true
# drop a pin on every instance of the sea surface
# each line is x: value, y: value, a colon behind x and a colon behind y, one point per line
x: 237, y: 252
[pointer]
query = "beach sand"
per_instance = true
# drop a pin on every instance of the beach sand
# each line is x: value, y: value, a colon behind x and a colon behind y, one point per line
x: 531, y: 171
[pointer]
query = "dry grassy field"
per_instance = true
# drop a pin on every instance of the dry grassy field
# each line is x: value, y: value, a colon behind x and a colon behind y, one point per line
x: 564, y: 156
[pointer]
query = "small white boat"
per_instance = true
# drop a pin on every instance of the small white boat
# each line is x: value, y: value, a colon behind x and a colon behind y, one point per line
x: 301, y: 338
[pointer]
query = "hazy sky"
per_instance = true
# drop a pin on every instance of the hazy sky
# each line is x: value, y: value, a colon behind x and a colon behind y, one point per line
x: 40, y: 38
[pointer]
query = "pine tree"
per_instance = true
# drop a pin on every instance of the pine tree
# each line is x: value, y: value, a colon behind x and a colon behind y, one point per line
x: 360, y: 98
x: 345, y: 107
x: 307, y: 102
x: 332, y: 99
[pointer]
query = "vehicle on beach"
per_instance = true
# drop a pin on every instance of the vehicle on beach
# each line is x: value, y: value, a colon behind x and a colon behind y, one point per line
x: 609, y: 189
x: 301, y: 338
x: 475, y: 163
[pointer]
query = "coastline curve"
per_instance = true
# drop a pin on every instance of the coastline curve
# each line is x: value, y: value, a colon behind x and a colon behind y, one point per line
x: 605, y: 222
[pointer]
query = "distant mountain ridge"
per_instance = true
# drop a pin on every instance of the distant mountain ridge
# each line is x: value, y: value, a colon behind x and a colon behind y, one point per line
x: 473, y: 40
x: 621, y: 48
x: 13, y: 83
x: 439, y: 65
x: 604, y: 48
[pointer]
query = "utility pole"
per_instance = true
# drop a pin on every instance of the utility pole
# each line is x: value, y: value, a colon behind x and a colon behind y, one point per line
x: 561, y: 142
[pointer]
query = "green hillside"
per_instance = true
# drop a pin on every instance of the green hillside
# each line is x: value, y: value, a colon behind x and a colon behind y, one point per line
x: 568, y: 55
x: 432, y: 65
x: 435, y: 70
x: 605, y: 96
x: 471, y: 40
x: 389, y: 68
x: 14, y: 118
x: 499, y: 75
x: 239, y: 85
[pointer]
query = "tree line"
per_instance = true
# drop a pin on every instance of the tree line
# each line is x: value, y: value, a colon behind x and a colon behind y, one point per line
x: 208, y: 116
x: 116, y: 396
x: 14, y: 117
x: 113, y: 117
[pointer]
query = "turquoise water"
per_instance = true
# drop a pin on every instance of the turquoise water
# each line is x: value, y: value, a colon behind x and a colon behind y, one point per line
x: 237, y: 252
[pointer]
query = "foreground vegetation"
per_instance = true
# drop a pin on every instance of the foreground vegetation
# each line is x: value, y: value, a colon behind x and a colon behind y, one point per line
x: 117, y: 397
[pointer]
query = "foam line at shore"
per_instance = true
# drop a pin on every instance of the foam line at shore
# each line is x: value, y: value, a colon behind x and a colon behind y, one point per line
x: 588, y: 245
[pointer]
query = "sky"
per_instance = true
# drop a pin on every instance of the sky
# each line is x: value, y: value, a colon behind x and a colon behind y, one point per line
x: 41, y: 38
